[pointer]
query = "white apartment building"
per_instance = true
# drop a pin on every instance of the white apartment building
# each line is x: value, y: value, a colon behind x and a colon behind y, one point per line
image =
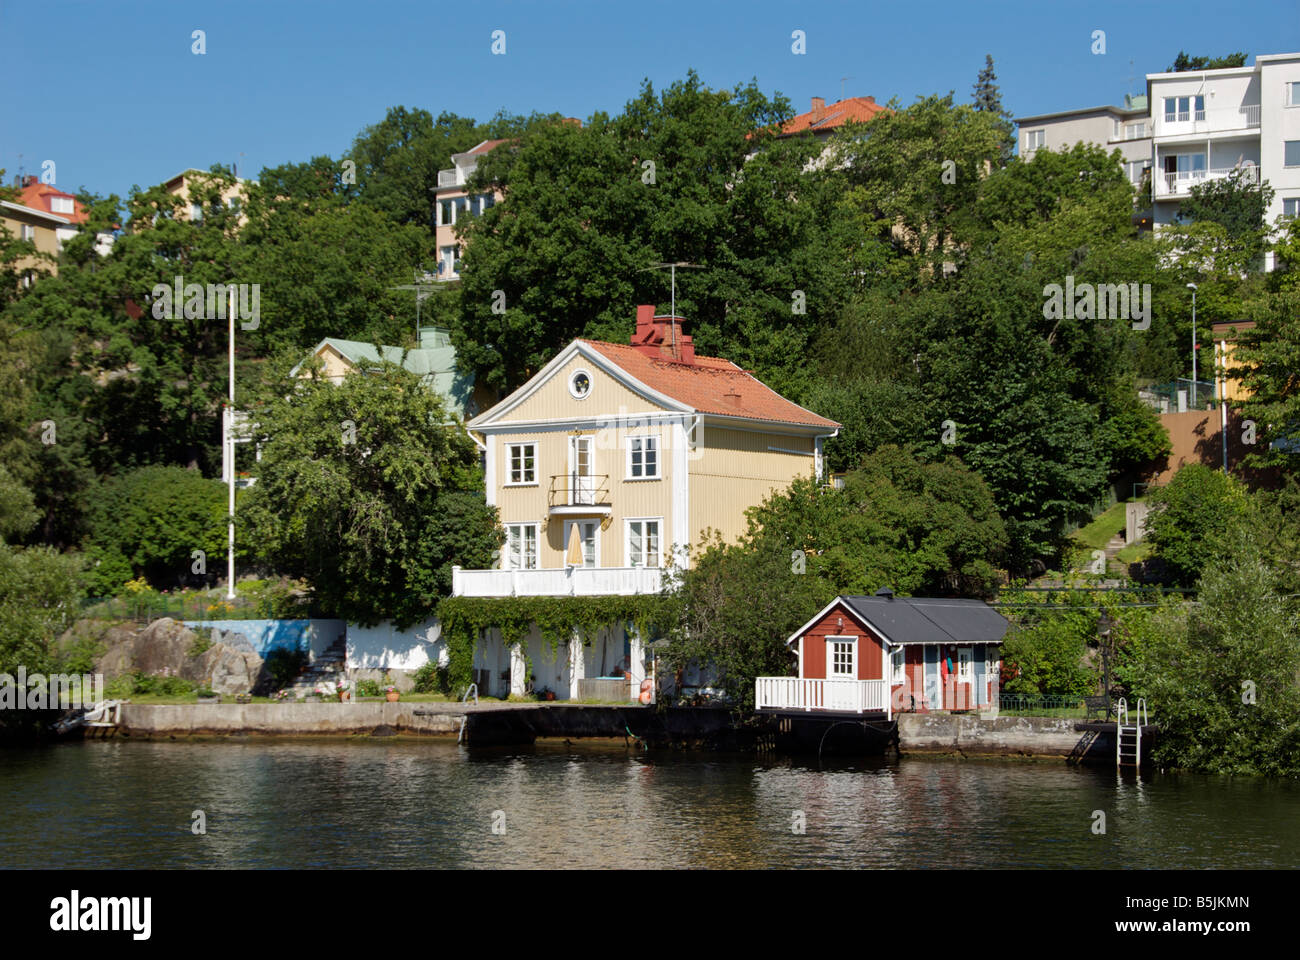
x: 1192, y: 127
x: 1208, y: 123
x: 454, y: 202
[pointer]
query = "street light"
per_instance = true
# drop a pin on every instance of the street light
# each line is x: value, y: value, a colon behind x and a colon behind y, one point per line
x: 1192, y: 287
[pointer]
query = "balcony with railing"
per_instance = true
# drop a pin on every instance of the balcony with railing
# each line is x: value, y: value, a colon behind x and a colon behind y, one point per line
x: 447, y: 178
x: 559, y: 582
x: 835, y: 695
x: 1171, y: 184
x: 578, y: 495
x: 1173, y: 123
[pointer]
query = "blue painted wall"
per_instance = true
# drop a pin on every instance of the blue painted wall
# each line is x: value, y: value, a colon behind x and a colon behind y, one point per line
x: 265, y: 635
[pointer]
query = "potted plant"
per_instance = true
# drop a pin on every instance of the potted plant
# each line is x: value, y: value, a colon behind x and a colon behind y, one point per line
x: 208, y: 695
x: 391, y: 694
x: 243, y: 698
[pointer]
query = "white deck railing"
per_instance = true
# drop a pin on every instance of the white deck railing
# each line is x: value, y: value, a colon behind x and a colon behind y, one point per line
x: 1177, y: 184
x: 846, y: 696
x: 561, y: 582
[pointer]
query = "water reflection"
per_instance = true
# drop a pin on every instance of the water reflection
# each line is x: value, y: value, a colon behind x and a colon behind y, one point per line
x: 433, y: 804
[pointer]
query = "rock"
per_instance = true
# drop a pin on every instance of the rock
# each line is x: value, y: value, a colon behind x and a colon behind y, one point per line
x: 383, y: 730
x: 235, y: 641
x: 164, y: 648
x: 224, y: 669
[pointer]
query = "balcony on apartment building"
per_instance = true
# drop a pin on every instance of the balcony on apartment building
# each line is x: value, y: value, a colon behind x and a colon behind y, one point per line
x: 1175, y: 184
x: 566, y: 581
x: 1188, y: 116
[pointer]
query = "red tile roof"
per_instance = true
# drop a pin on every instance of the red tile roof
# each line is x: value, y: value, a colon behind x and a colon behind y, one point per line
x: 710, y: 385
x: 824, y: 118
x: 482, y: 148
x: 37, y: 196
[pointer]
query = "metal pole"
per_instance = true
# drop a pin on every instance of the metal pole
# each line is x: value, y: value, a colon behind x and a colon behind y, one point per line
x: 1193, y: 349
x: 230, y: 442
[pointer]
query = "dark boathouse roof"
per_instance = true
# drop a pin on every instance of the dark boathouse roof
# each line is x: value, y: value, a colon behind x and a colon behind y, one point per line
x: 929, y: 620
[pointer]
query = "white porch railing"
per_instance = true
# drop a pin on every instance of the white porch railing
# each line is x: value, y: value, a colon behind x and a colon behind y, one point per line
x: 1178, y: 184
x: 564, y: 581
x: 846, y: 696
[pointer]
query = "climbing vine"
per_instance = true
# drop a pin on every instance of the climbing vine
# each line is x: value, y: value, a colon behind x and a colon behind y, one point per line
x: 465, y: 621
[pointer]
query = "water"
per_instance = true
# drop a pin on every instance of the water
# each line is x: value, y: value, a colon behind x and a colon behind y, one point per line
x: 431, y: 804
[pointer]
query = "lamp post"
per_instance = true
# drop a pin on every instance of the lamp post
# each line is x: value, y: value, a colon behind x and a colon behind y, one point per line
x: 1192, y: 287
x: 230, y: 448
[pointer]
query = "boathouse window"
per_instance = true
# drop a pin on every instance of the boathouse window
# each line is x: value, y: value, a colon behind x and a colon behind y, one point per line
x: 643, y: 543
x: 642, y: 458
x: 898, y: 661
x: 521, y: 546
x: 840, y: 660
x: 523, y: 463
x: 964, y: 674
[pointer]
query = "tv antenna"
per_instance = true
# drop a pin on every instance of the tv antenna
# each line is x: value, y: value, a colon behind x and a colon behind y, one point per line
x: 672, y: 274
x: 842, y: 79
x: 423, y: 288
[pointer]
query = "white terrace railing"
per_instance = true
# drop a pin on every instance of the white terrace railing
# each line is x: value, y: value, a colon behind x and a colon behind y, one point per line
x: 844, y: 696
x: 1171, y: 184
x: 561, y: 582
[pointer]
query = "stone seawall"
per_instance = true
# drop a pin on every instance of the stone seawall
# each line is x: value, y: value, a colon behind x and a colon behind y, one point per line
x: 969, y: 735
x: 145, y: 720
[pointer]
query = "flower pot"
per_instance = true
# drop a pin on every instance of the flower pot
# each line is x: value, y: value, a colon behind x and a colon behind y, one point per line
x: 393, y: 696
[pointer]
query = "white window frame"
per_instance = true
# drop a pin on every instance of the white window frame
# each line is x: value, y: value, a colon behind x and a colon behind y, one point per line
x: 853, y: 658
x: 898, y: 665
x: 62, y: 205
x: 590, y: 384
x: 1291, y: 93
x: 595, y: 549
x: 28, y: 233
x: 1295, y: 208
x: 196, y: 211
x: 1034, y: 139
x: 966, y: 671
x: 516, y: 544
x: 650, y: 439
x: 1290, y: 166
x: 659, y: 541
x: 510, y: 465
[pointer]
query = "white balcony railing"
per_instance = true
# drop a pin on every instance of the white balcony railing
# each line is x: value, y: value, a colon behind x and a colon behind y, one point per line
x: 844, y: 696
x: 1180, y: 184
x: 1174, y: 123
x: 447, y: 178
x: 561, y: 582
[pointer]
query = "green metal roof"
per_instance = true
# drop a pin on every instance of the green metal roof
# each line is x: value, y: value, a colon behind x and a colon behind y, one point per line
x: 436, y: 367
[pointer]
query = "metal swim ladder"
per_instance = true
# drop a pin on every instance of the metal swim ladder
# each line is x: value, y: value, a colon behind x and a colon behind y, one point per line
x: 1128, y: 736
x: 464, y: 698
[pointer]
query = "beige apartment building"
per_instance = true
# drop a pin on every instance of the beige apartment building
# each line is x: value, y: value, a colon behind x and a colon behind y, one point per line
x: 454, y: 201
x: 1126, y: 128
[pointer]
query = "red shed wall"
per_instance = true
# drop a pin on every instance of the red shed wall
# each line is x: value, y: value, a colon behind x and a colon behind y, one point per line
x: 813, y: 644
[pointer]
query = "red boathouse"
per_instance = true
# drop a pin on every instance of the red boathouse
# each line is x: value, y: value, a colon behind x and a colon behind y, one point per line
x: 883, y: 654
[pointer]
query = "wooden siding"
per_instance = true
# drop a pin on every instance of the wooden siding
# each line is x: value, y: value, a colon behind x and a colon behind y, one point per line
x: 628, y: 498
x: 733, y: 470
x: 869, y: 645
x: 607, y: 399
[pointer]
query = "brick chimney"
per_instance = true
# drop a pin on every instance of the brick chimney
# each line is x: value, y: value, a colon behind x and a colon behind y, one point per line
x: 661, y: 337
x: 818, y: 107
x: 870, y: 100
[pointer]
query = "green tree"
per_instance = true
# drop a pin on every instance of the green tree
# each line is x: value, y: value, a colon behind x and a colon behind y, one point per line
x: 1183, y: 63
x: 1221, y: 678
x: 148, y: 522
x: 1267, y: 358
x: 368, y: 493
x: 1190, y: 518
x: 1235, y: 202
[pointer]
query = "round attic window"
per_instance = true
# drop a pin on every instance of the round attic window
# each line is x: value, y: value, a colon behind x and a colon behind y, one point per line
x: 580, y: 384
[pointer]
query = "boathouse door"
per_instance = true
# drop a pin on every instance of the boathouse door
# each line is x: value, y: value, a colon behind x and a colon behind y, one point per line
x: 965, y: 679
x: 933, y: 689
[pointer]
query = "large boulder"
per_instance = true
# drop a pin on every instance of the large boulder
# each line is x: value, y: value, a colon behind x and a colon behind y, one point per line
x: 166, y: 647
x: 225, y: 670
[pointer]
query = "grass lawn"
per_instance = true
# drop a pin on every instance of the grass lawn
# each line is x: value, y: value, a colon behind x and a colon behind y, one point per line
x: 1135, y: 552
x: 1103, y: 527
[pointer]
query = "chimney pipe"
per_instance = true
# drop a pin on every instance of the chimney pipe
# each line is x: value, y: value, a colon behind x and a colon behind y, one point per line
x: 818, y: 107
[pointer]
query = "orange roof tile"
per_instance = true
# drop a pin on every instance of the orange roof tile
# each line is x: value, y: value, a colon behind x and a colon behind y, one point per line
x: 37, y: 196
x: 822, y: 118
x: 710, y: 385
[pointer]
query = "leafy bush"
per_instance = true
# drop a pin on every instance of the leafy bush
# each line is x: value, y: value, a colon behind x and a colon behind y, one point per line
x: 369, y: 688
x: 1190, y: 518
x: 163, y: 686
x: 202, y: 641
x: 431, y: 678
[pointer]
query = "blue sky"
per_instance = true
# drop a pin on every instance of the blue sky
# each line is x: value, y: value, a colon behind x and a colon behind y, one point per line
x: 113, y: 94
